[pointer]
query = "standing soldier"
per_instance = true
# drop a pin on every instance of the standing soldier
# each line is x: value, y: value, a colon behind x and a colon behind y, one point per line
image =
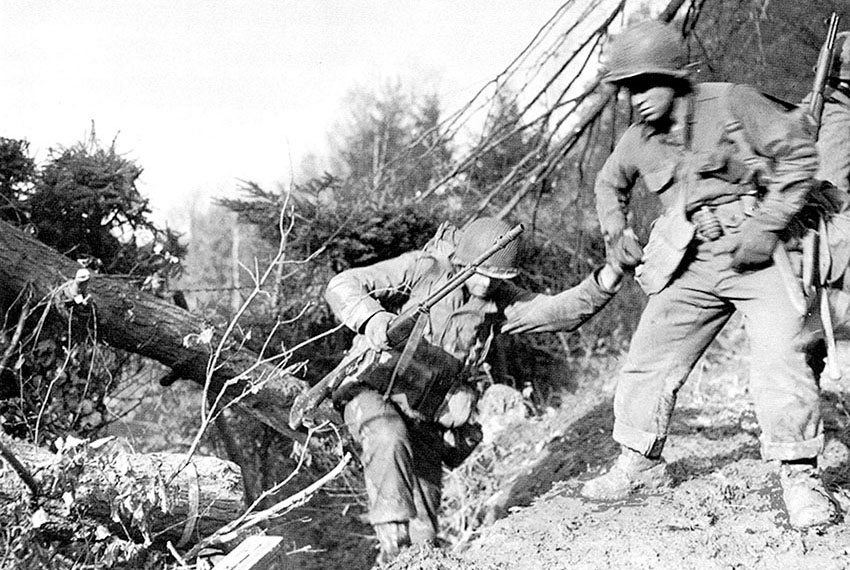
x: 407, y: 432
x: 731, y: 169
x: 833, y: 147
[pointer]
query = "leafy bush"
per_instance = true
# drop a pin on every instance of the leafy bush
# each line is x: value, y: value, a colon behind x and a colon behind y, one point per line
x: 83, y: 201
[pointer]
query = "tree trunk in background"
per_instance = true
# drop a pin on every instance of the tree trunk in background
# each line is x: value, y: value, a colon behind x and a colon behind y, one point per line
x: 670, y: 10
x: 132, y: 320
x: 126, y: 492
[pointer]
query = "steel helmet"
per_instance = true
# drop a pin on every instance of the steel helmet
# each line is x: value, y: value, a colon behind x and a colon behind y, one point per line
x: 648, y: 48
x: 477, y: 237
x: 841, y: 57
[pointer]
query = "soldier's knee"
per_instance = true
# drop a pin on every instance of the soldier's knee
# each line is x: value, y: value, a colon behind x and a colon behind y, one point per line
x: 386, y: 436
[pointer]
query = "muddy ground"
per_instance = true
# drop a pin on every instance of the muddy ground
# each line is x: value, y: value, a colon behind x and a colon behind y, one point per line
x: 515, y: 504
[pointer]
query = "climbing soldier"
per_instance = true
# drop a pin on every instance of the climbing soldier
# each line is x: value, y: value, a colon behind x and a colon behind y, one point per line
x: 409, y: 425
x: 730, y: 169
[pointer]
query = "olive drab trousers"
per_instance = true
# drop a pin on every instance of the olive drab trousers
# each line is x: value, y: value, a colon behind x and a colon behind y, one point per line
x: 677, y: 326
x: 401, y: 464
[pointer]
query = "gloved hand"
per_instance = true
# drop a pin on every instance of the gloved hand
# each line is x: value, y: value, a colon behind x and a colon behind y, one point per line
x: 541, y: 314
x: 376, y: 330
x: 755, y: 248
x: 624, y: 250
x: 459, y: 443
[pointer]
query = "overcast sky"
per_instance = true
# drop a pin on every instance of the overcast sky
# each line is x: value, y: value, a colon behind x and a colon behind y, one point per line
x: 202, y: 93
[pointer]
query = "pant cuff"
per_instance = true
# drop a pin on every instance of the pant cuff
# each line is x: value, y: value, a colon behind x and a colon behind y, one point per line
x: 382, y: 516
x: 644, y: 442
x: 788, y: 451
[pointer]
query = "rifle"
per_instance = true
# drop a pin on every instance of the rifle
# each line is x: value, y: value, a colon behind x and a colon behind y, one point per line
x: 399, y: 330
x: 822, y: 70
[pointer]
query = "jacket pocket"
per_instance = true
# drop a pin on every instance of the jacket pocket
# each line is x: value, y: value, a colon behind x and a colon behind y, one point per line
x: 661, y: 178
x: 668, y: 242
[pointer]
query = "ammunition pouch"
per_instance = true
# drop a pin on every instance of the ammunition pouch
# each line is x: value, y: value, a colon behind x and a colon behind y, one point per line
x: 418, y: 392
x: 727, y: 218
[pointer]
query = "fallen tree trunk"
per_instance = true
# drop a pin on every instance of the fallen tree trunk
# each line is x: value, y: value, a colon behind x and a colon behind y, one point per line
x: 132, y: 495
x: 132, y: 320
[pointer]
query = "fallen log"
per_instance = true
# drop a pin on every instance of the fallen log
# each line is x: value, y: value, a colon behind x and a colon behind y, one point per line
x: 139, y: 322
x: 134, y: 496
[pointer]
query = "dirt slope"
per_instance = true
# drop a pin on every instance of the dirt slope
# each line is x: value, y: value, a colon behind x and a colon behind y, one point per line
x: 723, y: 511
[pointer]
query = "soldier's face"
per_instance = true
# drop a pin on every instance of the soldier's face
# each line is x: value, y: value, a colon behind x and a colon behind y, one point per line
x: 652, y: 102
x: 480, y: 285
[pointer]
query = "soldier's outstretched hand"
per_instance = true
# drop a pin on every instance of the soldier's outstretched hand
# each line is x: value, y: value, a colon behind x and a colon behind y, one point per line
x: 625, y: 250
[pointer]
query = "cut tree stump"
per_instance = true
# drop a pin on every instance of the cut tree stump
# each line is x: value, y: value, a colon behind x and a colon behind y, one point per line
x: 139, y: 322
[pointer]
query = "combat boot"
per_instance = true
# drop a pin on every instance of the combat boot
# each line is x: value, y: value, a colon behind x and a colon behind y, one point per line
x: 631, y: 472
x: 392, y: 537
x: 807, y: 501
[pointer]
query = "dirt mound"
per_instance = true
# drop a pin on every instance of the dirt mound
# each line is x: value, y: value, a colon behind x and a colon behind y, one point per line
x: 515, y: 503
x: 726, y: 517
x: 724, y: 508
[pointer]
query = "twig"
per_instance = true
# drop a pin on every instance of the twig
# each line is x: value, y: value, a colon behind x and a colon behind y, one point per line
x: 232, y: 530
x: 16, y: 336
x: 20, y: 469
x: 180, y: 560
x: 207, y: 417
x: 69, y: 351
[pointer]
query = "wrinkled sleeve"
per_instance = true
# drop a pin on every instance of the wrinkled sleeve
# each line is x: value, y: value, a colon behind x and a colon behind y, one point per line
x: 783, y: 139
x: 534, y: 312
x: 614, y: 184
x: 355, y: 294
x: 834, y: 145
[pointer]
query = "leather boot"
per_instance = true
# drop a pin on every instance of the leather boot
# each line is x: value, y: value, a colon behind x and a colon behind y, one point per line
x: 392, y: 537
x: 807, y: 501
x: 631, y: 472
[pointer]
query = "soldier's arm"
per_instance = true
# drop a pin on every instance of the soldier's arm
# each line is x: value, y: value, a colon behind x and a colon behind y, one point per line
x: 834, y: 144
x: 614, y: 184
x: 783, y: 139
x: 535, y: 312
x: 355, y: 295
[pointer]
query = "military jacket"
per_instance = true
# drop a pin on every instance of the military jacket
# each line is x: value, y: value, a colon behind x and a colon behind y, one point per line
x: 701, y: 160
x: 460, y: 327
x: 834, y: 140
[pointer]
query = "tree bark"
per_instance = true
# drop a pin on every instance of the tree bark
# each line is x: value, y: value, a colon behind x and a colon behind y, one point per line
x: 132, y: 320
x: 133, y: 495
x: 670, y: 10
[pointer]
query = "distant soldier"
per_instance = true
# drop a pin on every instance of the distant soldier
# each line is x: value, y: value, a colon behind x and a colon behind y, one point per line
x: 731, y: 169
x: 833, y: 147
x: 834, y: 135
x: 408, y: 431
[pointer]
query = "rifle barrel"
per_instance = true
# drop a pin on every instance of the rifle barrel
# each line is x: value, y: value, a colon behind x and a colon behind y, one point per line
x: 823, y: 68
x: 452, y: 283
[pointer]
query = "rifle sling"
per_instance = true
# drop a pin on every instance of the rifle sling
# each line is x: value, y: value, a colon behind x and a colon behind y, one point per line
x: 409, y: 350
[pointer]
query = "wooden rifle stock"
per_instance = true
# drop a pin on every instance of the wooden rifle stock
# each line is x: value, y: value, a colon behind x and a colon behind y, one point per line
x: 398, y: 332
